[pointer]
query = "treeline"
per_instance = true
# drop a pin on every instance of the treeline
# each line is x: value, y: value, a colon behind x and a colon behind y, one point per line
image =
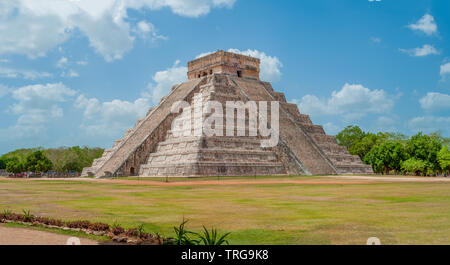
x: 421, y: 155
x: 63, y: 159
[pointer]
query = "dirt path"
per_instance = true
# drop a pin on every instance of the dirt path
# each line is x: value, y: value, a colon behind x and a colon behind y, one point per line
x: 25, y: 236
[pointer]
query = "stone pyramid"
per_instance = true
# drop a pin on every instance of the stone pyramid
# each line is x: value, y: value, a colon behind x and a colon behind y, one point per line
x: 155, y: 148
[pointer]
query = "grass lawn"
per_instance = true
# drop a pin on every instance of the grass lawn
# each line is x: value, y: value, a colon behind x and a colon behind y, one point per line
x: 397, y: 213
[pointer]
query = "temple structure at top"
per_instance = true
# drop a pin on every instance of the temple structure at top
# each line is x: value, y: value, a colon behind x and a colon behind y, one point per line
x: 223, y: 62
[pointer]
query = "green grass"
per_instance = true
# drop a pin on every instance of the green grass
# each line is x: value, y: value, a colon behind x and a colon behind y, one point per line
x: 397, y: 213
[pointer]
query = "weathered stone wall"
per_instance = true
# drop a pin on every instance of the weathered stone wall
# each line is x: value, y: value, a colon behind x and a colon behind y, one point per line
x: 223, y: 62
x: 296, y: 139
x: 133, y: 151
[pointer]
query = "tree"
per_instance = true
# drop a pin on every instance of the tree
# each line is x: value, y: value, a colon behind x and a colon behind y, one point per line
x: 414, y: 166
x: 386, y: 157
x: 425, y: 148
x: 15, y: 166
x: 2, y: 163
x: 349, y: 136
x: 444, y: 159
x: 38, y: 162
x: 362, y: 147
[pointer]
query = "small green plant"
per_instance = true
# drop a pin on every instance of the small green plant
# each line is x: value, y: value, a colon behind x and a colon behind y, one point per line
x: 182, y: 236
x: 207, y: 237
x: 6, y: 213
x: 27, y: 216
x: 212, y: 238
x: 140, y: 230
x: 116, y: 229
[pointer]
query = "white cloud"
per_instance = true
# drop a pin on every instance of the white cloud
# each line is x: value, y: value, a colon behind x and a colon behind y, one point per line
x: 428, y: 124
x: 386, y: 123
x: 110, y: 118
x: 270, y: 65
x: 445, y: 69
x: 331, y: 129
x: 147, y: 30
x: 164, y: 80
x: 421, y: 51
x: 435, y: 101
x: 352, y: 102
x: 375, y: 40
x: 6, y: 72
x: 62, y: 62
x: 37, y: 105
x: 34, y: 27
x: 82, y: 63
x: 71, y: 73
x: 426, y: 25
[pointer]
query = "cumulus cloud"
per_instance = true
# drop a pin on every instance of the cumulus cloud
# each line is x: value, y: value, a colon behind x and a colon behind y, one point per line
x: 445, y: 69
x: 71, y: 73
x: 428, y: 124
x: 270, y: 65
x: 421, y: 51
x: 426, y: 25
x: 37, y: 105
x: 34, y: 27
x: 164, y: 80
x: 352, y: 102
x: 435, y: 102
x: 62, y: 62
x: 109, y: 118
x: 147, y: 30
x: 7, y: 72
x: 331, y: 128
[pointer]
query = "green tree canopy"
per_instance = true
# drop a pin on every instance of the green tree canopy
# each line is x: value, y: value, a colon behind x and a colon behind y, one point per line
x: 415, y: 166
x: 362, y: 147
x: 349, y: 136
x: 38, y: 162
x: 444, y: 159
x: 425, y: 148
x: 386, y: 156
x: 63, y: 159
x: 14, y: 165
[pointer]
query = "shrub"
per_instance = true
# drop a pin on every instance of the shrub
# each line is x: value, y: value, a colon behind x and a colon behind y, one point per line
x: 6, y: 213
x: 182, y: 235
x: 212, y: 238
x: 100, y: 227
x: 78, y: 224
x: 117, y: 230
x: 27, y: 216
x: 414, y: 166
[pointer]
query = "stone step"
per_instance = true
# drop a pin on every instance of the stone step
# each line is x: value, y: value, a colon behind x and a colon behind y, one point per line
x: 225, y: 156
x: 213, y: 169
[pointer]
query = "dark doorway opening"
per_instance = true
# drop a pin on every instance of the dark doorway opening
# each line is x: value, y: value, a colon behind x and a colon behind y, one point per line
x: 132, y: 173
x: 239, y: 73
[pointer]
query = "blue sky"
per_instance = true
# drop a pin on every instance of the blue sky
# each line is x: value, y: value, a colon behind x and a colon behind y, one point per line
x: 79, y: 72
